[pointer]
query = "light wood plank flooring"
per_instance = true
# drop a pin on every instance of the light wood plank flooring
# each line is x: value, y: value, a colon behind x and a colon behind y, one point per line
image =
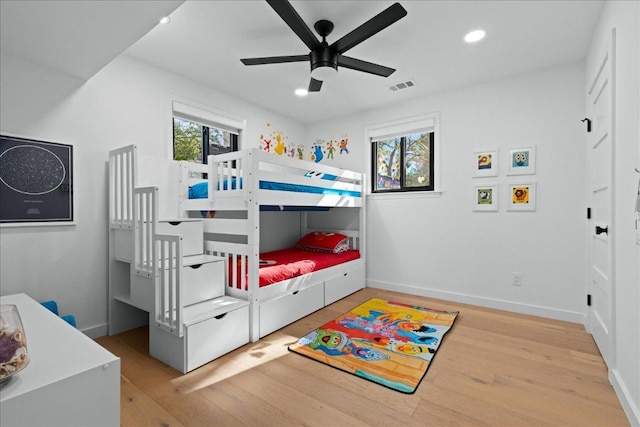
x: 492, y: 369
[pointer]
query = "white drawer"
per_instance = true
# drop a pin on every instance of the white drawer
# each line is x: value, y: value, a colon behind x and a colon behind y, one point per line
x: 343, y: 285
x: 214, y: 337
x: 288, y: 308
x: 191, y: 231
x: 202, y: 282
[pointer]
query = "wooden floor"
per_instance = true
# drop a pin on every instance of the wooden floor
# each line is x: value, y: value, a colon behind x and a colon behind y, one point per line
x: 492, y: 369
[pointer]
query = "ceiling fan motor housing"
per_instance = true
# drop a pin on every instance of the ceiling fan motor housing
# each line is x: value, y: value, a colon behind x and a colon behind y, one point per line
x: 324, y: 57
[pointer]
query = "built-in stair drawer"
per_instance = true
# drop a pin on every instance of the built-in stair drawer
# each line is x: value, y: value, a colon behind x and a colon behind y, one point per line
x: 191, y: 231
x: 214, y: 337
x: 288, y: 308
x: 343, y: 285
x: 202, y: 278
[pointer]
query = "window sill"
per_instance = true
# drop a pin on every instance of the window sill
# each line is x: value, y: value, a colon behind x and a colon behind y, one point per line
x: 405, y: 195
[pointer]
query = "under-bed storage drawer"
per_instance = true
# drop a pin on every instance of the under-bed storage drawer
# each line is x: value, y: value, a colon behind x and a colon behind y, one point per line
x: 288, y: 308
x: 214, y: 337
x: 343, y: 285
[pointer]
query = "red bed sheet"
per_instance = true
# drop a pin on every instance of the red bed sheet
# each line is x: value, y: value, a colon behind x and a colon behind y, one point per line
x: 284, y: 264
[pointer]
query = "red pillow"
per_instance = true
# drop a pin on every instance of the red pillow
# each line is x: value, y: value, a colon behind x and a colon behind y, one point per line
x: 320, y: 241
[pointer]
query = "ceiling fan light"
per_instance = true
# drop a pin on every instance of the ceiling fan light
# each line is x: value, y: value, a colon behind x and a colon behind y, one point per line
x: 474, y: 36
x: 324, y: 73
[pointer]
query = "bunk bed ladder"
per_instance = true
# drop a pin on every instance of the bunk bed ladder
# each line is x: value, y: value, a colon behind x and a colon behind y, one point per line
x: 145, y: 209
x: 168, y: 283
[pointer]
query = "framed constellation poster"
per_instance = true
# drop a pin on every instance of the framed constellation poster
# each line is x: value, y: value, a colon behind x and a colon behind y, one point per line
x: 522, y: 161
x: 485, y: 163
x: 36, y: 182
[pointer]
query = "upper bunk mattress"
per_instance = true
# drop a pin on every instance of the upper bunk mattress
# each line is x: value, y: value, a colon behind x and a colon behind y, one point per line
x: 201, y: 189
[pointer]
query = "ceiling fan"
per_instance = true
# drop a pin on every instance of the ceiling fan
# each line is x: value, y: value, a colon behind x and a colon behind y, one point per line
x: 325, y: 58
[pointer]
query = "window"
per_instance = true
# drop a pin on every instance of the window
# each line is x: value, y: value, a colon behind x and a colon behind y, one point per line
x: 198, y: 132
x: 404, y: 163
x: 193, y: 141
x: 403, y: 156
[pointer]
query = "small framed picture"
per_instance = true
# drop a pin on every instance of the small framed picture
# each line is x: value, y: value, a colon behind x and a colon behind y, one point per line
x: 522, y: 197
x: 485, y: 163
x: 485, y: 198
x: 522, y: 161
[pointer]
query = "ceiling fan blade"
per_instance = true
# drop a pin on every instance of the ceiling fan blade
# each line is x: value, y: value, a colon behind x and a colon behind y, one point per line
x: 315, y: 85
x: 367, y: 67
x: 376, y: 24
x: 274, y: 59
x: 295, y: 22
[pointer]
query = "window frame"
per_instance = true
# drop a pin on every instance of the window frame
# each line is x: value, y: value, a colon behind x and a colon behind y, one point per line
x: 207, y: 118
x: 205, y: 139
x: 403, y: 173
x: 426, y: 123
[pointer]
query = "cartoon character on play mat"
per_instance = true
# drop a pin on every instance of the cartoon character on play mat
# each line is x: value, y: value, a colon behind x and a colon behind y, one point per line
x: 336, y: 343
x: 421, y: 351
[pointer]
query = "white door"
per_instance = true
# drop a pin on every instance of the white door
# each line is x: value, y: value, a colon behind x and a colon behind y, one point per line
x: 601, y: 112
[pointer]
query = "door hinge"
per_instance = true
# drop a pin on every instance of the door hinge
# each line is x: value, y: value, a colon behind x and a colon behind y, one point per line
x: 588, y: 213
x: 589, y: 300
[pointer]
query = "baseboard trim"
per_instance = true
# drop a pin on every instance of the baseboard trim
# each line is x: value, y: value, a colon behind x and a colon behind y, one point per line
x: 628, y: 405
x: 534, y: 310
x: 96, y: 331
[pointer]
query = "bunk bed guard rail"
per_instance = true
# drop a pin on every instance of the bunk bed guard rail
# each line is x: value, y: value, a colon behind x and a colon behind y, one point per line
x: 168, y: 283
x: 145, y: 203
x: 122, y: 181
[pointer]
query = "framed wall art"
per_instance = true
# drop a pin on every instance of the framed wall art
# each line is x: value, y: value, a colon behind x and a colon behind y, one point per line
x: 485, y: 198
x: 36, y: 182
x: 522, y: 161
x: 485, y: 163
x: 522, y: 197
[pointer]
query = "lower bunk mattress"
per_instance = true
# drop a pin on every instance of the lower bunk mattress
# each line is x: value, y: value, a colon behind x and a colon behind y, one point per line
x: 284, y: 264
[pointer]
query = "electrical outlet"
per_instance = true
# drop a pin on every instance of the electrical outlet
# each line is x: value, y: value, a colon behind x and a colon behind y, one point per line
x: 516, y: 279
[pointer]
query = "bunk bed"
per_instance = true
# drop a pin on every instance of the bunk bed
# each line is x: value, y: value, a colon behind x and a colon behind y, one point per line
x: 284, y: 285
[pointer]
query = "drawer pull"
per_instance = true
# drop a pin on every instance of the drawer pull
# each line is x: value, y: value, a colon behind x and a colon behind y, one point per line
x: 220, y: 316
x: 295, y: 293
x: 345, y: 274
x: 174, y: 223
x: 196, y: 266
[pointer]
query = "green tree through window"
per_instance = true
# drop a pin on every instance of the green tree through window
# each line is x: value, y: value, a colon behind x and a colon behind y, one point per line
x: 187, y: 140
x: 193, y: 142
x: 404, y: 163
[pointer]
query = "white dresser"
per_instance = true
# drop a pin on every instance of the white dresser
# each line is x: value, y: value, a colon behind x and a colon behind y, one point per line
x: 69, y: 381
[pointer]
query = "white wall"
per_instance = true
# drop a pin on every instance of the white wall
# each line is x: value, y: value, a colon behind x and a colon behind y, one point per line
x: 437, y: 246
x: 128, y: 102
x: 624, y: 16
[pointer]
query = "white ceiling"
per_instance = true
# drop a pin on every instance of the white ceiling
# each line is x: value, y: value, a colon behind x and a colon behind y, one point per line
x: 206, y: 39
x: 77, y: 37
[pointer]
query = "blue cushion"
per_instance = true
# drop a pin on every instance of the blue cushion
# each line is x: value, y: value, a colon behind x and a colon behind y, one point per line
x: 52, y: 306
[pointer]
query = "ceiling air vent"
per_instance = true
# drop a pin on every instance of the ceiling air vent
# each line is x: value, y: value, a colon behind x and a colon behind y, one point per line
x: 402, y: 85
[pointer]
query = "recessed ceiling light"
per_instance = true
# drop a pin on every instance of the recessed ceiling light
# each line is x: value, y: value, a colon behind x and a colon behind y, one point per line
x: 474, y: 36
x: 165, y: 20
x: 302, y: 92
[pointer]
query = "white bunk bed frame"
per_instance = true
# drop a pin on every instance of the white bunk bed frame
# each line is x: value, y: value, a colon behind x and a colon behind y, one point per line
x: 278, y: 304
x: 143, y: 190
